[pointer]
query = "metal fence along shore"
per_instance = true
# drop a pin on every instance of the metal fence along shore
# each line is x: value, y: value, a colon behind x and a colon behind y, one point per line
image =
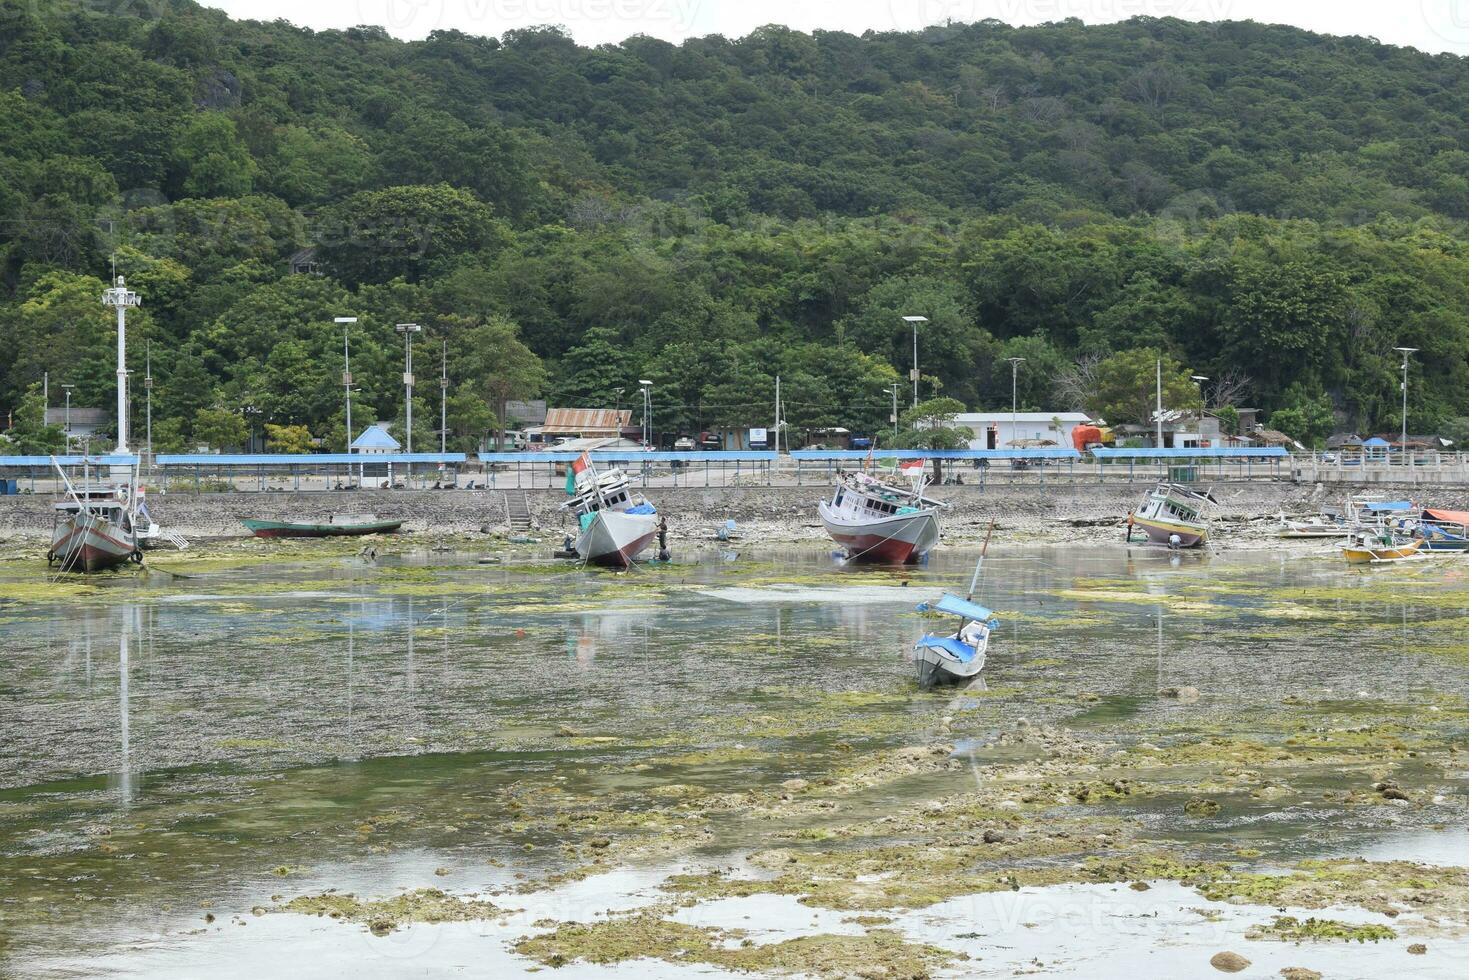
x: 208, y: 473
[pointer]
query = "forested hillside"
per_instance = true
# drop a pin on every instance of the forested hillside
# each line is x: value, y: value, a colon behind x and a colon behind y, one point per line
x: 1261, y: 203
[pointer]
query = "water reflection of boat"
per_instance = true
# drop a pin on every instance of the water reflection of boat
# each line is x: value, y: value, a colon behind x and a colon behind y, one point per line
x: 959, y: 657
x: 1378, y: 545
x: 1173, y: 515
x: 616, y: 523
x: 335, y: 526
x: 876, y: 521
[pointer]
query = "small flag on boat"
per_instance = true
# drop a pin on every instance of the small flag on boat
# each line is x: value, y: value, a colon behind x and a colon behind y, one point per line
x: 911, y: 467
x: 573, y: 475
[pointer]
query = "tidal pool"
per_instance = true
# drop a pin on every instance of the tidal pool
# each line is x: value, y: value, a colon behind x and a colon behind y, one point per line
x: 424, y: 764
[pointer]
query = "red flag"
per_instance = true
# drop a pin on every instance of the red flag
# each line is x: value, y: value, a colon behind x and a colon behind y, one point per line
x: 581, y: 463
x: 912, y: 466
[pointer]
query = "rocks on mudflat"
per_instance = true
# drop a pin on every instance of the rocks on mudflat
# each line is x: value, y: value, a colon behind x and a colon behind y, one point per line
x: 1201, y: 807
x: 1228, y: 962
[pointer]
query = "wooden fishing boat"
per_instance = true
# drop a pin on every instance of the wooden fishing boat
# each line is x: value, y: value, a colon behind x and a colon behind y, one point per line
x: 1442, y: 530
x: 956, y: 658
x: 1327, y: 524
x: 1173, y: 515
x: 95, y: 527
x: 881, y: 522
x: 336, y: 526
x: 1373, y: 546
x: 616, y: 523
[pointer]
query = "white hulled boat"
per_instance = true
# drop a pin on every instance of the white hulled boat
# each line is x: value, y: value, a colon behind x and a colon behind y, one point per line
x: 616, y: 522
x: 877, y: 521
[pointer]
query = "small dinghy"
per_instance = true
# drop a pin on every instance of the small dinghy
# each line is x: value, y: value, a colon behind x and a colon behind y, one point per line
x: 956, y: 658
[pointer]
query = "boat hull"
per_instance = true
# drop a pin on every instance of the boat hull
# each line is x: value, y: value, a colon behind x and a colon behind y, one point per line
x: 88, y: 543
x: 287, y: 529
x: 899, y: 540
x: 1162, y: 532
x: 1367, y: 556
x: 938, y: 669
x: 614, y: 539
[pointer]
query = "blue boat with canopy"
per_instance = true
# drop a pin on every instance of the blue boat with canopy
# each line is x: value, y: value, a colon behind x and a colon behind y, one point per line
x: 956, y: 658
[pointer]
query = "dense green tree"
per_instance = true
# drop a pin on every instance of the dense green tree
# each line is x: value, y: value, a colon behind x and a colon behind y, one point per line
x: 406, y: 231
x: 932, y: 425
x: 219, y: 428
x: 715, y: 213
x: 1127, y: 387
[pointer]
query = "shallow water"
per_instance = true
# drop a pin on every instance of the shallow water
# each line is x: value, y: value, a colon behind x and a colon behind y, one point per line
x: 196, y: 745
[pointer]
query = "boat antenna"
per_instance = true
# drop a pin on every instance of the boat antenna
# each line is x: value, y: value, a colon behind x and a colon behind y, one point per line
x: 974, y: 581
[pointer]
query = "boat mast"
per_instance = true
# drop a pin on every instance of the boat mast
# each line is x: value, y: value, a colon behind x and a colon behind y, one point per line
x: 974, y: 581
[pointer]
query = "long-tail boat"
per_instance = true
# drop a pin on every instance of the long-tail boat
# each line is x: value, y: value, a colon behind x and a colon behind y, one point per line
x: 336, y: 526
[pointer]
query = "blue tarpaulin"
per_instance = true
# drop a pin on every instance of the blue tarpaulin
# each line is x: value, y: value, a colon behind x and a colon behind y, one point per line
x: 955, y: 606
x: 1387, y: 506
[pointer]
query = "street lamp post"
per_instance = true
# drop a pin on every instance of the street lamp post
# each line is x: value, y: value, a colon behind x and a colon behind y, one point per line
x: 67, y: 426
x: 346, y: 322
x: 1158, y: 415
x: 915, y: 321
x: 1015, y: 363
x: 148, y: 393
x: 647, y: 387
x: 1199, y: 380
x: 121, y: 297
x: 443, y: 400
x: 408, y: 330
x: 894, y: 417
x: 1405, y: 351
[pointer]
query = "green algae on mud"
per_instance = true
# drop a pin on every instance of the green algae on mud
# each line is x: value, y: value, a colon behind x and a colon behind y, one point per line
x: 381, y: 916
x: 650, y: 935
x: 1289, y: 929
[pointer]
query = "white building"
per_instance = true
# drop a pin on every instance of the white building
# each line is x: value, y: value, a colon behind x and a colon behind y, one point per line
x: 1002, y: 430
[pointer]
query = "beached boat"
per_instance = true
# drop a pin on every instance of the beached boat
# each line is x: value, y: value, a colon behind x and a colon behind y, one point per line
x: 336, y: 526
x: 1173, y: 515
x: 958, y: 657
x: 94, y: 528
x: 1442, y: 530
x: 616, y: 523
x: 1327, y: 524
x: 878, y: 521
x: 1372, y: 546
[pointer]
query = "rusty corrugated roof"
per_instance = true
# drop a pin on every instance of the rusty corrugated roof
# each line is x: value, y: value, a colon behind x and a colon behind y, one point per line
x: 586, y: 421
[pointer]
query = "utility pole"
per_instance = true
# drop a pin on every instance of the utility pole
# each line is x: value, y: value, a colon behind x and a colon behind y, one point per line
x: 777, y: 415
x: 915, y: 321
x: 647, y: 387
x: 121, y: 297
x: 346, y: 322
x: 1014, y: 390
x: 67, y: 388
x: 443, y: 399
x: 148, y: 393
x: 1159, y: 415
x: 1405, y: 351
x: 408, y: 330
x: 894, y: 417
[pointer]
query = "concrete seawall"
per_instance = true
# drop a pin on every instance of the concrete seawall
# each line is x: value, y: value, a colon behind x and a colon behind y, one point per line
x: 779, y: 512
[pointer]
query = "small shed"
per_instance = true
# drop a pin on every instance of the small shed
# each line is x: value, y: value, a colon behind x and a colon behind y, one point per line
x: 375, y: 441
